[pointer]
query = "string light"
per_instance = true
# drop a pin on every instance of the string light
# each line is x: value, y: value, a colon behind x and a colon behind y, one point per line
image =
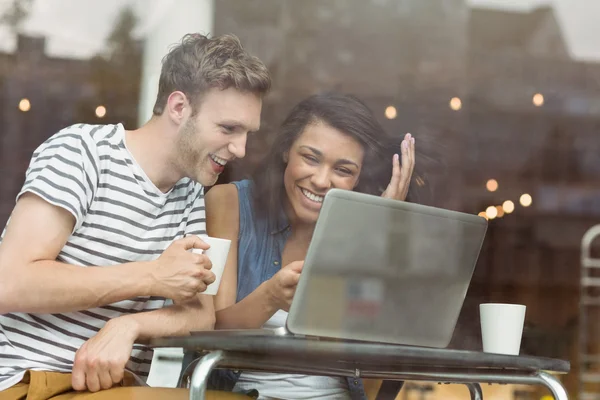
x: 455, y: 103
x: 390, y: 112
x: 500, y: 211
x: 100, y: 111
x: 24, y: 105
x: 525, y: 200
x: 491, y: 185
x: 491, y: 212
x: 508, y: 206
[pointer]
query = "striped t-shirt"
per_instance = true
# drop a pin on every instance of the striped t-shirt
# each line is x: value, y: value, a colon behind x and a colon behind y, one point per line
x: 120, y: 217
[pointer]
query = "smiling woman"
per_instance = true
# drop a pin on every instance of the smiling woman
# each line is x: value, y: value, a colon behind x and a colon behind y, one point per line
x: 322, y: 158
x: 327, y: 141
x: 345, y: 128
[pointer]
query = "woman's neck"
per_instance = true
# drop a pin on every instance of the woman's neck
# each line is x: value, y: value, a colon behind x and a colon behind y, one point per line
x: 302, y: 232
x: 299, y: 230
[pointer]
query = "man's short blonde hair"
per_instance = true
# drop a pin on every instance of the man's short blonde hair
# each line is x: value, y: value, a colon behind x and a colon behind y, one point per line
x: 198, y: 64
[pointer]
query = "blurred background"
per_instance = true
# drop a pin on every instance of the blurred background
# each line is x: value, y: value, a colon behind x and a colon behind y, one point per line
x: 503, y: 98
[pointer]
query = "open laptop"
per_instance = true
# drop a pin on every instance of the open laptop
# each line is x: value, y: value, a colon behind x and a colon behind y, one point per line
x: 383, y: 270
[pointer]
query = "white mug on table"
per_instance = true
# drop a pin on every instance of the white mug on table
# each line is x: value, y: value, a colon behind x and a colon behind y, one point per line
x: 502, y: 327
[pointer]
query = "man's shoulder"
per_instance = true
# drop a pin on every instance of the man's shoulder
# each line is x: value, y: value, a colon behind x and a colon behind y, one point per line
x: 92, y: 133
x: 86, y: 137
x: 78, y: 146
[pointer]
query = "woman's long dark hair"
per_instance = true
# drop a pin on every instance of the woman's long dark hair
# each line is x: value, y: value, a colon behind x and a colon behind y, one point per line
x: 340, y: 111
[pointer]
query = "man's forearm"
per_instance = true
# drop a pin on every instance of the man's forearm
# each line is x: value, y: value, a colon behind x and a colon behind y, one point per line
x: 176, y: 320
x: 54, y: 287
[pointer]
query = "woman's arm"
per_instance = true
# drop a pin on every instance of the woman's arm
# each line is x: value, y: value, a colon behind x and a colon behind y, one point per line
x: 223, y: 221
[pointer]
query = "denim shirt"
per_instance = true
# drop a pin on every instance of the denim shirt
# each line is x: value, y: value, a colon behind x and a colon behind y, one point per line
x: 260, y: 247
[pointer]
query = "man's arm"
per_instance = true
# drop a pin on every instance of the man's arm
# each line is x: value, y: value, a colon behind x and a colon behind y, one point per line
x: 100, y: 362
x: 31, y: 280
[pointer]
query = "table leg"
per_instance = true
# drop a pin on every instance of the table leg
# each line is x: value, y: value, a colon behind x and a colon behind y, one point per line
x: 201, y: 373
x: 475, y: 391
x: 556, y: 388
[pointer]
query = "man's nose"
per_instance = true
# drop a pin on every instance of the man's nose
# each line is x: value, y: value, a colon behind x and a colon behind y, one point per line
x: 237, y: 146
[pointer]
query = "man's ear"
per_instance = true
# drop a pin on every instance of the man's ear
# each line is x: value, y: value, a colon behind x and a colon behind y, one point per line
x: 177, y: 107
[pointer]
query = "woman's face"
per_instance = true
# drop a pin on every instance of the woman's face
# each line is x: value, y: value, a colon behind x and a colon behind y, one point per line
x: 320, y: 159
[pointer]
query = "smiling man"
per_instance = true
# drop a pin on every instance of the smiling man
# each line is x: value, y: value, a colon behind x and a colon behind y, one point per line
x: 100, y: 235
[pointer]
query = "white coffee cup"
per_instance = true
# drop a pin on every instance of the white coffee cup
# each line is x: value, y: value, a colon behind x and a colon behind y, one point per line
x: 502, y: 327
x: 219, y: 249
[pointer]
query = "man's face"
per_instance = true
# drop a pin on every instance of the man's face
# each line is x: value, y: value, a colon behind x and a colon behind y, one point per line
x: 217, y: 133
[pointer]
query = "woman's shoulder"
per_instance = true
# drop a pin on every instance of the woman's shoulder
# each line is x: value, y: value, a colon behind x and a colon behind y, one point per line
x: 237, y: 195
x: 245, y: 189
x: 243, y: 184
x: 227, y: 191
x: 222, y: 194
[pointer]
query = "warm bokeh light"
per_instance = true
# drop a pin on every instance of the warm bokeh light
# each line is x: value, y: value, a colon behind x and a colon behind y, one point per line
x: 508, y: 206
x: 500, y: 211
x: 491, y: 212
x: 390, y: 112
x: 483, y: 214
x: 538, y: 99
x: 455, y: 103
x: 492, y: 185
x: 420, y: 181
x: 24, y: 105
x: 525, y: 200
x: 100, y: 111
